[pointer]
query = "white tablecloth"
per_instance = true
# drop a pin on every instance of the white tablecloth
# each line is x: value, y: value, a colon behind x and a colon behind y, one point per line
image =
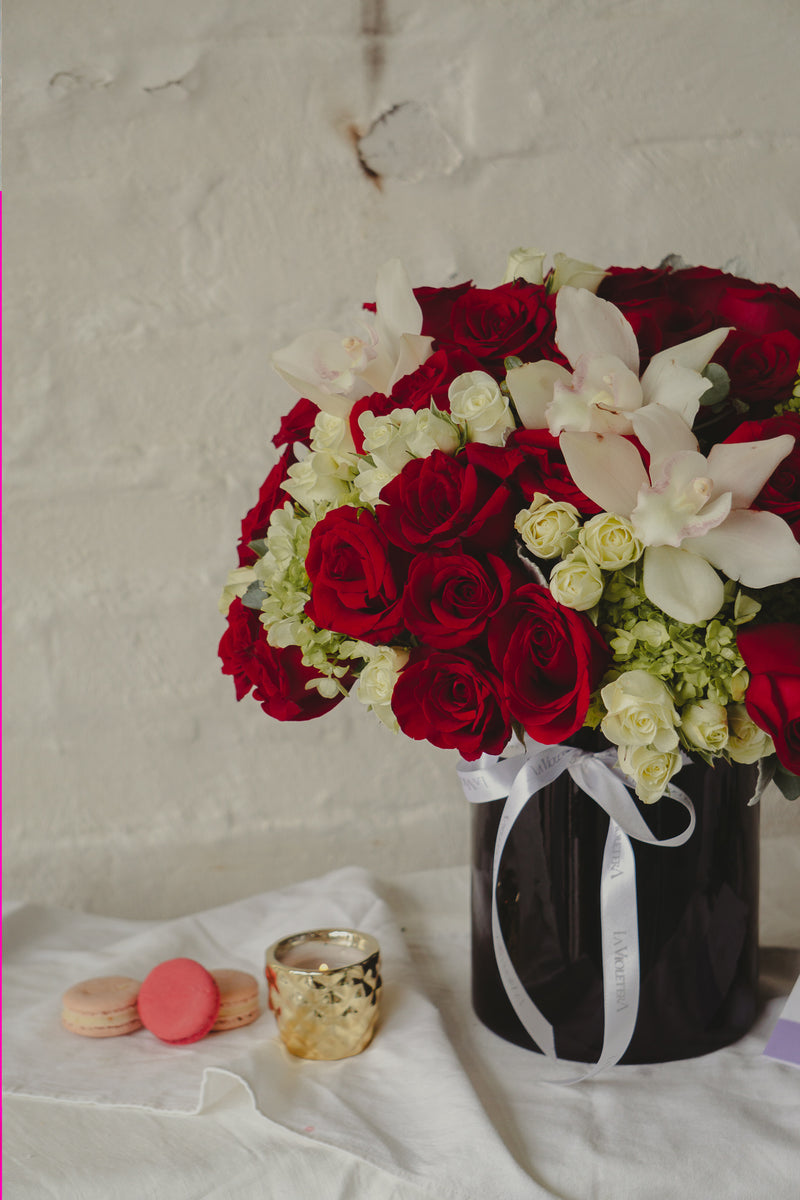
x: 436, y: 1107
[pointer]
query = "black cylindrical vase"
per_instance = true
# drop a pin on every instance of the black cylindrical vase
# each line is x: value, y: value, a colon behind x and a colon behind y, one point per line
x: 698, y: 917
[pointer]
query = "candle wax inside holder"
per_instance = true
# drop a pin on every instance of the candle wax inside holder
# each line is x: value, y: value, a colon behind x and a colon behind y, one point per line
x: 320, y: 956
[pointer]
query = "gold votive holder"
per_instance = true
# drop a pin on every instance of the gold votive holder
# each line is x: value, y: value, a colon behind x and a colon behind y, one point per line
x: 324, y: 989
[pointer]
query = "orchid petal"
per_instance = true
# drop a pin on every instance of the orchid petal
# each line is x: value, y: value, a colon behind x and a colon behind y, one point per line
x: 743, y: 468
x: 569, y: 410
x: 665, y: 516
x: 318, y: 366
x: 607, y: 468
x: 413, y: 351
x: 682, y: 585
x: 531, y: 388
x: 676, y: 388
x: 662, y: 432
x: 695, y: 354
x: 608, y: 381
x: 757, y: 548
x: 585, y: 324
x: 398, y: 309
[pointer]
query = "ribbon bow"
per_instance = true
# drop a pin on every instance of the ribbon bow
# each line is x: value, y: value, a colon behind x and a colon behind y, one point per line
x: 518, y: 779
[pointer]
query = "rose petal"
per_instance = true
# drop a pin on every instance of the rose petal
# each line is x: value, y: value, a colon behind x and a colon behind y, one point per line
x: 769, y: 649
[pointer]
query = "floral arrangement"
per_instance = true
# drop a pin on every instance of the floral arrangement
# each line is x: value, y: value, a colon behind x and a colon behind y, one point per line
x: 569, y: 500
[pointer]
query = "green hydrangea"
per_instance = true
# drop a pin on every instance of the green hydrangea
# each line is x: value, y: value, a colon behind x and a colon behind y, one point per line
x: 284, y: 591
x: 697, y: 662
x: 793, y: 403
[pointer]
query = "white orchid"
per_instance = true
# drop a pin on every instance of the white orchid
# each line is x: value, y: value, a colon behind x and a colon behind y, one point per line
x: 603, y: 390
x: 335, y: 371
x: 692, y: 513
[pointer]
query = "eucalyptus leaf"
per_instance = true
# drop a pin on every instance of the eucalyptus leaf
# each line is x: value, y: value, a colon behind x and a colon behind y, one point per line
x: 720, y: 385
x: 766, y: 773
x: 788, y: 783
x: 254, y: 596
x: 259, y: 546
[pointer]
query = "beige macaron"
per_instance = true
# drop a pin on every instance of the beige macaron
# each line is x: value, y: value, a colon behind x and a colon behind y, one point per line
x: 238, y: 995
x: 102, y: 1007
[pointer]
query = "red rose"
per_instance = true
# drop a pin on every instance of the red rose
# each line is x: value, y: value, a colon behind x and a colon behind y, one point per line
x: 750, y: 307
x: 781, y: 492
x: 685, y: 303
x: 353, y: 585
x: 270, y: 496
x: 238, y: 643
x: 531, y: 461
x: 762, y: 369
x: 516, y: 318
x: 551, y: 660
x: 439, y: 500
x: 658, y: 318
x: 449, y: 598
x: 296, y: 425
x: 432, y: 380
x: 429, y: 382
x: 277, y: 676
x: 453, y: 701
x: 771, y: 654
x: 437, y: 307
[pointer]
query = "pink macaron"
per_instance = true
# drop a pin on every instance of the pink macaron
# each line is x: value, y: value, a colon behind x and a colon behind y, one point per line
x: 179, y: 1001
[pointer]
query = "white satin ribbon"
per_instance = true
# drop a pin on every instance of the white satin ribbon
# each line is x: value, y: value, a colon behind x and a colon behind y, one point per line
x: 518, y: 779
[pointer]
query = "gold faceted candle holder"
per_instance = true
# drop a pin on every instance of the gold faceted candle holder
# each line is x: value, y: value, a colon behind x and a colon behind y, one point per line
x: 324, y: 989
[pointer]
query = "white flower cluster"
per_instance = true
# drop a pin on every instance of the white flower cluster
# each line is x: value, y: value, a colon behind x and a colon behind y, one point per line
x: 642, y: 721
x: 393, y: 440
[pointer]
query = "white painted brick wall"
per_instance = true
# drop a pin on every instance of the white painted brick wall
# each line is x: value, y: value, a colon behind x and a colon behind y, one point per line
x: 184, y: 194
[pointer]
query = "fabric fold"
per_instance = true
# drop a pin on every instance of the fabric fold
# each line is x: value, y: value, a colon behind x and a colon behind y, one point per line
x: 406, y: 1104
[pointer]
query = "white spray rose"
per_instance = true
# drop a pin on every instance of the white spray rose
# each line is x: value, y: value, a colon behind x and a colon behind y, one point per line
x: 369, y: 481
x: 650, y: 770
x: 611, y: 541
x: 746, y: 742
x: 574, y: 273
x: 548, y: 527
x: 331, y: 433
x: 639, y: 712
x: 239, y: 580
x: 384, y: 441
x: 477, y: 403
x: 427, y: 431
x: 322, y: 478
x: 525, y: 264
x: 394, y: 439
x: 705, y: 725
x: 377, y: 679
x: 577, y: 582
